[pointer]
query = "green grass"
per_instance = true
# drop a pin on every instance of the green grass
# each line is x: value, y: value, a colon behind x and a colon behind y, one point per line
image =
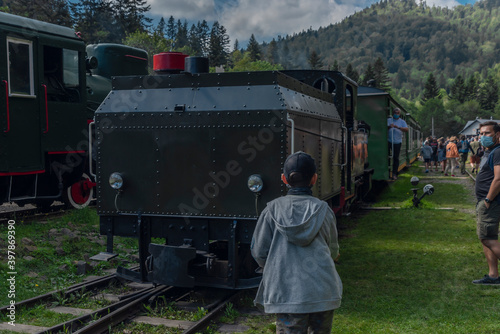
x: 54, y: 256
x: 410, y: 271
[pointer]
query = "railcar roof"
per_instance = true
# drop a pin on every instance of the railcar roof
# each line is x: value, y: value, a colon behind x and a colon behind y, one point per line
x: 221, y: 92
x: 363, y: 90
x: 35, y: 25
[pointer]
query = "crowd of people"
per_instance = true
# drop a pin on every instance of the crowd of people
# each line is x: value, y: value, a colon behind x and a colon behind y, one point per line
x: 445, y: 155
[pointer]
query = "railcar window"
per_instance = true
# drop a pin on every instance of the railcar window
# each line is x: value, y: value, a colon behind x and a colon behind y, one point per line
x: 70, y: 74
x: 61, y: 74
x: 325, y: 84
x: 20, y: 67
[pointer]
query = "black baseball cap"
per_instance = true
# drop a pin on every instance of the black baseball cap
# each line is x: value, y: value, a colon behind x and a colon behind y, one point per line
x: 299, y: 167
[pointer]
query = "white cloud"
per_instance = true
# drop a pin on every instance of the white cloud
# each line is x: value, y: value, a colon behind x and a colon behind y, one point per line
x: 442, y: 3
x: 266, y: 19
x: 190, y: 10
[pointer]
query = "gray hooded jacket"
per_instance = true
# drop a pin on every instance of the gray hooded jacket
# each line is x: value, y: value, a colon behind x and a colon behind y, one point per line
x: 295, y: 241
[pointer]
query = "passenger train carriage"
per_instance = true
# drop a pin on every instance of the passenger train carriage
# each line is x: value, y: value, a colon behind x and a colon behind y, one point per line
x: 374, y: 107
x: 49, y: 89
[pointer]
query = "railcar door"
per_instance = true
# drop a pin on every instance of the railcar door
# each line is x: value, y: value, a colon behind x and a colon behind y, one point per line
x: 64, y: 117
x: 20, y: 122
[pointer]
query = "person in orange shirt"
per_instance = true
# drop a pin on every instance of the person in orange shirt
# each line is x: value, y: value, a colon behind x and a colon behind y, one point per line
x: 451, y: 155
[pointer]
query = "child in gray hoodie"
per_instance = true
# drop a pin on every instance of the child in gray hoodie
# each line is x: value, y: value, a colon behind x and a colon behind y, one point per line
x: 295, y: 242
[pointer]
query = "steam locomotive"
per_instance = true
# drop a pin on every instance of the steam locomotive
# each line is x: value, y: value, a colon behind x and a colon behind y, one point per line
x: 50, y: 86
x: 187, y: 160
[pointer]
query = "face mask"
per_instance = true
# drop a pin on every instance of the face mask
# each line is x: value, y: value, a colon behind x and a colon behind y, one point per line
x: 395, y: 116
x: 487, y: 141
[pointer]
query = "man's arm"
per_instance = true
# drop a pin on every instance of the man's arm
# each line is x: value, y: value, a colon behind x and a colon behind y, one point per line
x: 404, y: 127
x: 495, y: 185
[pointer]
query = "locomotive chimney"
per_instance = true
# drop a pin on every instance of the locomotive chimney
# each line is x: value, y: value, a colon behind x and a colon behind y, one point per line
x: 169, y: 62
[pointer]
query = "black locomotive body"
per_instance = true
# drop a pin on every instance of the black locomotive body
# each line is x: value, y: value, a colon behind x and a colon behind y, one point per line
x: 194, y: 158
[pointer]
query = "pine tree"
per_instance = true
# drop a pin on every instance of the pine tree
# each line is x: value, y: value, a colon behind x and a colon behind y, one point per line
x: 129, y: 17
x: 381, y: 75
x: 52, y: 11
x: 315, y: 61
x: 335, y: 66
x: 203, y: 33
x: 171, y: 30
x: 471, y: 88
x: 253, y: 48
x: 219, y: 45
x: 488, y: 94
x: 194, y: 41
x: 431, y: 89
x: 160, y: 28
x: 369, y: 76
x: 236, y: 45
x: 351, y: 72
x: 94, y: 20
x: 181, y: 36
x: 457, y: 90
x: 272, y: 52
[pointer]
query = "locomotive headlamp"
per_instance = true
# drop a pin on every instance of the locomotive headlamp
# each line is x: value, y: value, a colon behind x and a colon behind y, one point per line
x: 116, y: 181
x: 255, y: 183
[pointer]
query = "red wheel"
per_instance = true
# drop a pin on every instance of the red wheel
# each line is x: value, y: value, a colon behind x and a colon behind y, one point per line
x: 80, y: 193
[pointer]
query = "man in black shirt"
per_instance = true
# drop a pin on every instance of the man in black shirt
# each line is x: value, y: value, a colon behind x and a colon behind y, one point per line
x: 488, y: 205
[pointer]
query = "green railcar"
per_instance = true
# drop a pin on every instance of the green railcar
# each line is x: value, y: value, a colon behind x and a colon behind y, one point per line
x: 48, y: 95
x: 374, y: 107
x: 414, y: 139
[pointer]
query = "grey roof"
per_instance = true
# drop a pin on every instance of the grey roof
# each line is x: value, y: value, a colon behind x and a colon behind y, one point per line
x: 364, y: 90
x: 35, y: 25
x: 470, y: 129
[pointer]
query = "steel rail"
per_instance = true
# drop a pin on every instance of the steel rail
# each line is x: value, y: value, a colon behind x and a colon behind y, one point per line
x: 113, y: 314
x: 84, y: 286
x: 205, y: 321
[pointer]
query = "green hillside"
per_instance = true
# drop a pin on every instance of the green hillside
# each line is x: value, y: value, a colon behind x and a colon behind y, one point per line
x: 412, y: 39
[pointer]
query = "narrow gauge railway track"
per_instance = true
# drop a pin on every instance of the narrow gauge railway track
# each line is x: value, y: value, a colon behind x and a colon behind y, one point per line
x: 128, y: 306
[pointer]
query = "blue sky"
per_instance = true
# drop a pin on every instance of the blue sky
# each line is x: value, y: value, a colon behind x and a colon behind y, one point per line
x: 267, y: 18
